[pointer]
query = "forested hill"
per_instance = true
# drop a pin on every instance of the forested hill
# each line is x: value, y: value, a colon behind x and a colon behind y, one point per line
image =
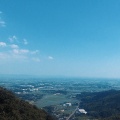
x: 101, y: 105
x: 12, y: 108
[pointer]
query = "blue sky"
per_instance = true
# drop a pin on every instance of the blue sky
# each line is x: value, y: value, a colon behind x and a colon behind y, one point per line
x: 75, y: 38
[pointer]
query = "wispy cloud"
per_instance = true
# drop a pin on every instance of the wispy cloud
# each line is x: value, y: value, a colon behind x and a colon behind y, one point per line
x: 35, y: 52
x: 3, y: 44
x: 11, y: 51
x: 16, y: 52
x: 14, y: 46
x: 2, y: 22
x: 25, y: 41
x: 20, y: 51
x: 10, y: 56
x: 36, y: 59
x: 12, y: 39
x: 50, y: 58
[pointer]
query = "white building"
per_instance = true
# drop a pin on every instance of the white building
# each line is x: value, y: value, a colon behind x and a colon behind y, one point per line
x: 68, y: 104
x: 82, y: 111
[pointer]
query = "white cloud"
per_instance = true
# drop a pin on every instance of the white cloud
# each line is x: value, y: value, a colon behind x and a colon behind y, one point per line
x: 24, y: 51
x: 13, y: 51
x: 36, y: 59
x: 12, y: 39
x: 3, y: 44
x: 14, y: 46
x: 50, y: 58
x: 2, y: 23
x: 20, y: 51
x: 10, y: 56
x: 19, y: 57
x: 16, y: 51
x: 25, y: 41
x: 35, y: 52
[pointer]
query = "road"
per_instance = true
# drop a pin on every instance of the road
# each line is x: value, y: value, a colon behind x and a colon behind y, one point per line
x: 73, y: 112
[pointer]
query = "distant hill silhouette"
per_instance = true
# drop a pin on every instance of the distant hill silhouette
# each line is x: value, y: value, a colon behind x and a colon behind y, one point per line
x: 101, y: 105
x: 12, y: 108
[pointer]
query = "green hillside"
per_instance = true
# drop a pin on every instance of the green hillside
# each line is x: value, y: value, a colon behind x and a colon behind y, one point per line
x: 12, y: 108
x: 101, y: 105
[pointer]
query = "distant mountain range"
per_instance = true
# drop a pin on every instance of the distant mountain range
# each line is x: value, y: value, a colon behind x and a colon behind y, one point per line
x: 12, y: 108
x: 101, y: 105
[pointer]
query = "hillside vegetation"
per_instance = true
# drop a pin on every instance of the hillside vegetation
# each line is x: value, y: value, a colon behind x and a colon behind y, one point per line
x: 12, y: 108
x: 101, y: 105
